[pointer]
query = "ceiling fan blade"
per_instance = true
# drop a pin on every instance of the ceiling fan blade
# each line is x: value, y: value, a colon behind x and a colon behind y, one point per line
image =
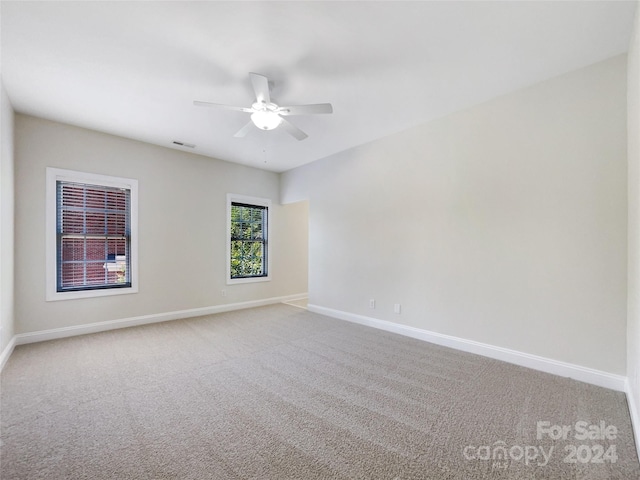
x: 260, y: 87
x: 291, y: 129
x: 244, y: 130
x: 306, y: 109
x: 225, y: 107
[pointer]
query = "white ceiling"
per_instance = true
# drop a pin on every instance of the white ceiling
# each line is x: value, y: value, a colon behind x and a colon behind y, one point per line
x: 134, y: 68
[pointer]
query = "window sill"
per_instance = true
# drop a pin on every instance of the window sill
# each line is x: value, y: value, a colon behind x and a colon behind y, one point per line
x: 234, y: 281
x: 55, y: 296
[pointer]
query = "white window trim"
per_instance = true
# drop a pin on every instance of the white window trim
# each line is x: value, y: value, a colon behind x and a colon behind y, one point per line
x: 57, y: 174
x: 262, y: 202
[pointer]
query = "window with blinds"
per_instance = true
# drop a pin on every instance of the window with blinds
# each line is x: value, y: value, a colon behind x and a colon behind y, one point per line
x: 249, y: 240
x: 93, y: 236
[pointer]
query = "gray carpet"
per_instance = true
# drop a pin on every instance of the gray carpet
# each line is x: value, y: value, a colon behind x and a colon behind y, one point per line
x: 278, y: 392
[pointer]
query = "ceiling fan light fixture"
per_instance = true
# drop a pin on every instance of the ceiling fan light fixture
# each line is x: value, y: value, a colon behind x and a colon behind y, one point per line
x: 267, y: 115
x: 265, y: 119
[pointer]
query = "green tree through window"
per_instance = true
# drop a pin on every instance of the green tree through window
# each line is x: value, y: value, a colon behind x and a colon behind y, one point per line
x: 248, y: 240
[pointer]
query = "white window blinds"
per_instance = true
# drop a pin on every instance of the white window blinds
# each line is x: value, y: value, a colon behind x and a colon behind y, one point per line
x: 93, y: 236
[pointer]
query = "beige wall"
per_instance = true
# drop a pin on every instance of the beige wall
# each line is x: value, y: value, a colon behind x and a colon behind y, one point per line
x: 182, y: 226
x: 633, y: 129
x: 6, y: 221
x: 295, y: 226
x: 503, y: 224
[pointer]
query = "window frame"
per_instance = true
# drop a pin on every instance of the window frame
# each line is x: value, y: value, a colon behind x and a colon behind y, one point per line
x: 54, y: 175
x: 250, y: 201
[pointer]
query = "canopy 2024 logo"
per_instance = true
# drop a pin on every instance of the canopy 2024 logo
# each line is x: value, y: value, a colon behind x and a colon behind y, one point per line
x: 502, y: 455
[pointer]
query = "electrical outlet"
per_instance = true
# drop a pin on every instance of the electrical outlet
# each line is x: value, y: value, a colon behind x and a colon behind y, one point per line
x: 396, y: 308
x: 372, y: 303
x: 223, y: 292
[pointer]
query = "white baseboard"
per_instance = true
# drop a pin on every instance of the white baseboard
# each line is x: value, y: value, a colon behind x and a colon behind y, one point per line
x: 295, y: 298
x: 632, y: 401
x: 6, y: 353
x: 55, y: 333
x: 548, y: 365
x: 577, y: 372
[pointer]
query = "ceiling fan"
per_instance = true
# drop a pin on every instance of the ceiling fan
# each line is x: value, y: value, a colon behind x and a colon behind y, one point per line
x: 267, y: 115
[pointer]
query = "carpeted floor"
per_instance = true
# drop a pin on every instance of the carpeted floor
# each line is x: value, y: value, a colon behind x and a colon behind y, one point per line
x: 278, y: 392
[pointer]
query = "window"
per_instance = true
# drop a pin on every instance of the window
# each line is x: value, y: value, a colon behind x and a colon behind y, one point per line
x: 248, y: 235
x: 91, y: 241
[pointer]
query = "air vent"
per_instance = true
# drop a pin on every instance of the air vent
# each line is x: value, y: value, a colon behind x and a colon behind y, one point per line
x: 182, y: 144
